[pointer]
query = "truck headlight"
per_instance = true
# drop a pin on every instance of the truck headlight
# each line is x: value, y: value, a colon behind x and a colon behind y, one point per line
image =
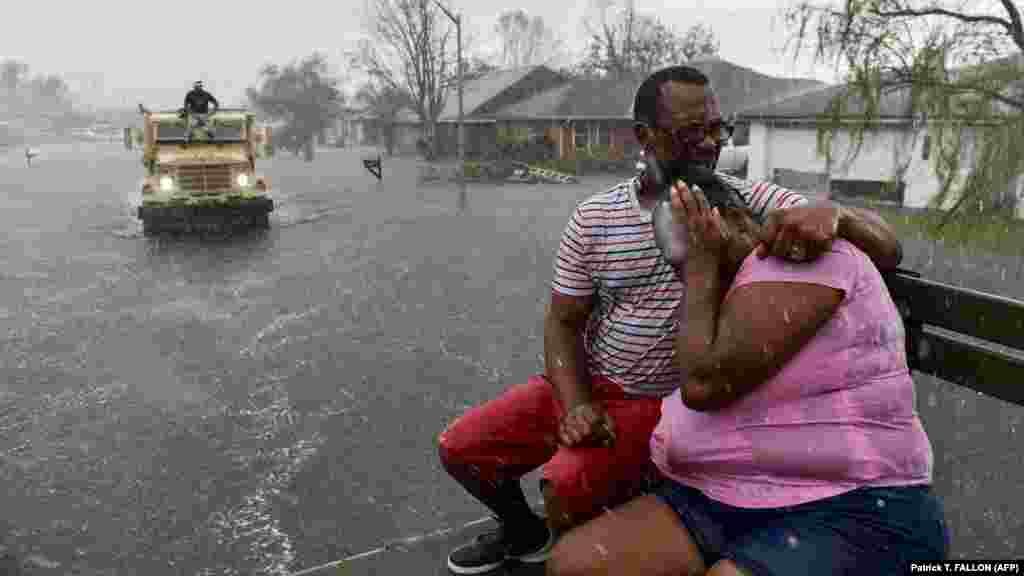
x: 166, y: 183
x: 243, y: 180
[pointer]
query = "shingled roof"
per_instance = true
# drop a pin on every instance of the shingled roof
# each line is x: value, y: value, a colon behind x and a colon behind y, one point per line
x: 478, y: 92
x: 894, y: 105
x: 603, y: 98
x: 813, y: 104
x: 581, y: 98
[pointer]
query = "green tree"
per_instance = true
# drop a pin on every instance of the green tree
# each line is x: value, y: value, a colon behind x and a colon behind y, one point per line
x: 956, y: 69
x: 301, y: 94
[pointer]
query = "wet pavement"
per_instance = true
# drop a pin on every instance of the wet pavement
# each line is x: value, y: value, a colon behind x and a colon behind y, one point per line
x: 268, y: 403
x: 261, y: 404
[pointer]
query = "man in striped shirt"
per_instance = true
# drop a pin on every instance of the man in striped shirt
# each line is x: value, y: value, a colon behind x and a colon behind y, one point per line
x: 609, y: 337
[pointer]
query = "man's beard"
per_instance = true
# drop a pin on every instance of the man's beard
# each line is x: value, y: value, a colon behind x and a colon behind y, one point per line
x: 665, y: 173
x: 704, y: 156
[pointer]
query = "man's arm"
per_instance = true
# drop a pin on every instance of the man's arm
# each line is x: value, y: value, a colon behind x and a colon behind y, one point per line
x: 870, y: 232
x: 789, y: 217
x: 814, y: 226
x: 215, y: 103
x: 564, y: 359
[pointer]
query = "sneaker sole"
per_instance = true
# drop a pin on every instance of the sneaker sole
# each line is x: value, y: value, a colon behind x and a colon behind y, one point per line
x: 456, y: 569
x: 539, y: 556
x: 533, y: 558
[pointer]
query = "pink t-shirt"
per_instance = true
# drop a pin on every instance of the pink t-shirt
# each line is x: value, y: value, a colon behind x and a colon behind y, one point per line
x: 839, y: 415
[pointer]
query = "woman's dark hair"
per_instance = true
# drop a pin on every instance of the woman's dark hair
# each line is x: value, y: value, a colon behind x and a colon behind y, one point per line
x: 645, y: 103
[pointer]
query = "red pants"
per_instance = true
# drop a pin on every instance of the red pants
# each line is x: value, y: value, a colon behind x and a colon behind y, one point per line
x: 514, y: 434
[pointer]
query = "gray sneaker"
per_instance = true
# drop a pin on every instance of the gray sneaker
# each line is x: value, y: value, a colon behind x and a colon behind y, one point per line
x: 491, y: 549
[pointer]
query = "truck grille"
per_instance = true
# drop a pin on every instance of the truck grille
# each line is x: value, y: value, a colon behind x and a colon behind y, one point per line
x: 204, y: 178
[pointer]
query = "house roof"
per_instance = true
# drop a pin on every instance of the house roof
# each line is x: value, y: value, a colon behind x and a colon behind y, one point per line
x: 736, y: 86
x: 894, y: 105
x: 814, y: 103
x: 739, y: 87
x: 405, y: 115
x: 581, y: 98
x: 478, y: 92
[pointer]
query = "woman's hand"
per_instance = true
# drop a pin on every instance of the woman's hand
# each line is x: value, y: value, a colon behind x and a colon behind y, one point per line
x: 707, y: 234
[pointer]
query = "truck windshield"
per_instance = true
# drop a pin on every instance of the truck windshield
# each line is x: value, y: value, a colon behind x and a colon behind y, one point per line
x: 171, y: 133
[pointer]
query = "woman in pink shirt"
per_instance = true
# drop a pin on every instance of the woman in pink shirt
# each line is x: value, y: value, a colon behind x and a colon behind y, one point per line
x: 792, y: 445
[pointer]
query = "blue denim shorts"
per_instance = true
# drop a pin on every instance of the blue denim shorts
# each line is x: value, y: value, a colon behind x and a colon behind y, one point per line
x: 876, y: 531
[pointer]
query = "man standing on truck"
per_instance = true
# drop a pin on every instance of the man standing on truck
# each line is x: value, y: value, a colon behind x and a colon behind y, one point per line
x: 197, y: 108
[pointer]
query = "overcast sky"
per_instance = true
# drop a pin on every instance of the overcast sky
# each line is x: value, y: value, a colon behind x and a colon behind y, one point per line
x: 123, y: 52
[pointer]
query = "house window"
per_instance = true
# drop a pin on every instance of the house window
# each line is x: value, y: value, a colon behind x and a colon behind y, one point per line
x: 582, y: 139
x: 602, y: 135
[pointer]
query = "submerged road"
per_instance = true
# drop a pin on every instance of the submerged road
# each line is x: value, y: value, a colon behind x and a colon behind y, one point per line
x: 268, y: 403
x: 260, y: 404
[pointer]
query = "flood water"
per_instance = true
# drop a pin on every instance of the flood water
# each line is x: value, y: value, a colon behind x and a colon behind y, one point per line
x: 260, y: 404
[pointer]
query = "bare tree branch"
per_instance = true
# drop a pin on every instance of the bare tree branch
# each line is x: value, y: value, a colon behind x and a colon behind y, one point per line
x: 1016, y: 28
x: 409, y: 53
x: 970, y: 19
x: 632, y: 43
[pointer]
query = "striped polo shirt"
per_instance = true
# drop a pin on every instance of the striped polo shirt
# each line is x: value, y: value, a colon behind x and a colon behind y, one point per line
x: 608, y: 249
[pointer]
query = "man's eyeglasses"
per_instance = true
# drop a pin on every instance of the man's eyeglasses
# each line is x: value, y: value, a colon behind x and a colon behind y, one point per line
x: 694, y: 134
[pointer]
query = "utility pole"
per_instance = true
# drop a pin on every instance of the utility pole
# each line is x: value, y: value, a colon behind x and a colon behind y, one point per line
x: 457, y: 19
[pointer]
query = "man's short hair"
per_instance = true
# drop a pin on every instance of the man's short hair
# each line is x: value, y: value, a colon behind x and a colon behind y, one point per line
x: 645, y: 103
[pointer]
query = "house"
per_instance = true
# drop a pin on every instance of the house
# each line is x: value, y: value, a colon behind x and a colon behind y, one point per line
x: 582, y: 114
x: 404, y: 130
x: 358, y: 127
x: 596, y: 113
x: 894, y: 163
x: 482, y: 98
x: 339, y: 131
x: 738, y: 88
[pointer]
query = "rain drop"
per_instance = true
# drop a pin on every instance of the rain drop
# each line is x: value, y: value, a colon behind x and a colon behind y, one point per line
x: 785, y: 316
x: 792, y: 541
x: 880, y: 503
x: 601, y: 549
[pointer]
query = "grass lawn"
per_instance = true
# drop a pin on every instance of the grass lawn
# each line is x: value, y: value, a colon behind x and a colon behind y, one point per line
x: 990, y: 233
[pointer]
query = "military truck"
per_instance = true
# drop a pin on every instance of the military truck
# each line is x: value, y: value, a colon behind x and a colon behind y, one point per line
x: 208, y: 184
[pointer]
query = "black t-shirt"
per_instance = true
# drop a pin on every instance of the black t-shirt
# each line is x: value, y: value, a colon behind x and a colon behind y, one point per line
x: 198, y: 101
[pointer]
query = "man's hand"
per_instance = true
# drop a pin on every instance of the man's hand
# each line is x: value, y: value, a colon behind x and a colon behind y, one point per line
x: 586, y: 424
x: 802, y: 233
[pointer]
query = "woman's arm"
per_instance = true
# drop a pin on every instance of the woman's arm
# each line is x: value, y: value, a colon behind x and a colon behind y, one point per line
x: 730, y: 347
x: 816, y: 225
